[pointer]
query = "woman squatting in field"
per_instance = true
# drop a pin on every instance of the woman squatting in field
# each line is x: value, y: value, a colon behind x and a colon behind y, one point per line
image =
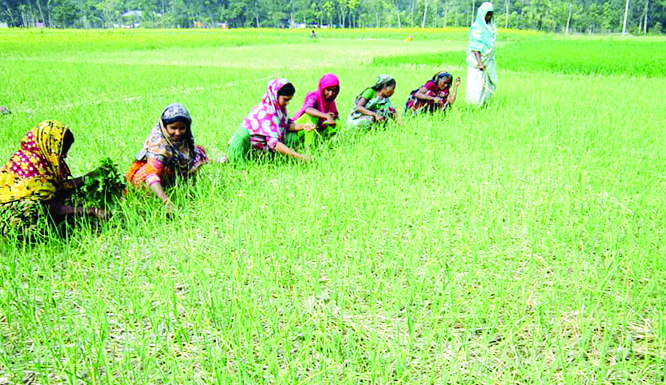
x: 481, y: 72
x: 373, y: 105
x: 434, y: 95
x: 319, y: 109
x: 267, y: 127
x: 35, y: 184
x: 167, y: 154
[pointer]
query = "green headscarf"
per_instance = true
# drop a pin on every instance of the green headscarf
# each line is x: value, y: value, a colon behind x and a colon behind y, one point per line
x: 481, y: 34
x: 381, y: 105
x: 381, y: 81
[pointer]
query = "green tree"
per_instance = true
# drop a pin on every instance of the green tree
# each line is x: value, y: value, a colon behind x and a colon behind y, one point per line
x: 328, y: 7
x: 352, y: 7
x: 110, y: 11
x: 65, y: 13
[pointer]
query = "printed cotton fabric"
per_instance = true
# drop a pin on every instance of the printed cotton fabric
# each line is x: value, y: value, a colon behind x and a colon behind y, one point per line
x: 268, y: 122
x: 161, y: 159
x: 416, y: 105
x: 378, y: 104
x: 36, y: 170
x: 33, y: 175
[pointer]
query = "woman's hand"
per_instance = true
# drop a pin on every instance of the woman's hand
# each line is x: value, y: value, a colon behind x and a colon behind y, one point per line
x: 95, y: 171
x: 306, y: 127
x: 330, y: 119
x: 378, y: 118
x: 198, y: 165
x: 438, y: 100
x: 100, y: 214
x: 457, y: 82
x: 477, y: 55
x: 159, y: 192
x: 169, y: 208
x: 283, y: 149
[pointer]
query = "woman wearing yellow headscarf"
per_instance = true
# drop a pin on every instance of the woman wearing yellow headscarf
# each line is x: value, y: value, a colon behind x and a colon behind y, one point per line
x: 36, y: 178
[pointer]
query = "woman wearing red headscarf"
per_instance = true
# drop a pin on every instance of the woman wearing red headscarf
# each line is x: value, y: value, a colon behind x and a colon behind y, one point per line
x: 319, y: 109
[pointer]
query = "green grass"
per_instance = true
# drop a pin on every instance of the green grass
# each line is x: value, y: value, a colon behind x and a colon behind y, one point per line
x: 521, y: 243
x: 637, y: 57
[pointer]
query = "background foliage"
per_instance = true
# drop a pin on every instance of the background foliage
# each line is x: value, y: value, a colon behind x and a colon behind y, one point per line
x: 583, y: 16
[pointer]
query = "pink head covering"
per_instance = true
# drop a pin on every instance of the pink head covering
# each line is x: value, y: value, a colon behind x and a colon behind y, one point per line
x: 268, y: 118
x: 321, y: 104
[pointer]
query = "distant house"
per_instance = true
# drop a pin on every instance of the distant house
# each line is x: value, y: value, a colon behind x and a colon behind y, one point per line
x: 132, y: 19
x: 3, y: 24
x: 134, y: 13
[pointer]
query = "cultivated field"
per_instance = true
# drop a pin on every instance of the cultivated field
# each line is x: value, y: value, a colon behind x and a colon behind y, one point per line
x: 523, y: 243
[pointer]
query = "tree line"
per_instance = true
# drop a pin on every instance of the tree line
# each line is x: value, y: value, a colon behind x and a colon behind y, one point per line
x: 562, y: 16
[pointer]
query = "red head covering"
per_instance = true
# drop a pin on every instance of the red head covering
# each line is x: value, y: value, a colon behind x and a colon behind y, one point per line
x: 328, y: 80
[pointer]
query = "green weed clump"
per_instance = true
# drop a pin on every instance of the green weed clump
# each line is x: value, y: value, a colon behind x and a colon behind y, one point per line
x: 102, y: 187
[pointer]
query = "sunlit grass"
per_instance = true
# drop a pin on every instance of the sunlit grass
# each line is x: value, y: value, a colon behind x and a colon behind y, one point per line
x: 575, y: 56
x: 521, y: 243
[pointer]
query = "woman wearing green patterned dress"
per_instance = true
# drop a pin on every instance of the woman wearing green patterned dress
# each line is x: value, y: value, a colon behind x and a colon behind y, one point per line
x: 373, y: 106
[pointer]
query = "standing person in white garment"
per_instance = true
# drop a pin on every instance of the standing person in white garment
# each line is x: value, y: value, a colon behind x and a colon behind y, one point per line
x: 481, y: 71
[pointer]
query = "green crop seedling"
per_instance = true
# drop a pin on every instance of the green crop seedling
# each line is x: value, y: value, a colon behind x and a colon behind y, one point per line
x: 520, y: 243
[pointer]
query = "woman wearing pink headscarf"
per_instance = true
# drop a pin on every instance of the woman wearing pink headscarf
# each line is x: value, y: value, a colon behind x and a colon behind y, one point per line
x: 265, y: 128
x: 319, y: 109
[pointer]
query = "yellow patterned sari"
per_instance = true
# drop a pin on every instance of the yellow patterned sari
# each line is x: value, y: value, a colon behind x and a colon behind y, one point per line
x: 33, y: 175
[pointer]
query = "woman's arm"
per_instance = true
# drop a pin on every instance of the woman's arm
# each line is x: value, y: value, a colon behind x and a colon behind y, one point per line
x: 360, y: 107
x: 155, y: 170
x: 318, y: 114
x: 329, y: 117
x: 421, y: 94
x: 156, y: 188
x: 477, y: 55
x: 452, y: 94
x: 76, y: 182
x: 284, y: 150
x: 56, y: 209
x: 299, y: 127
x: 397, y: 118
